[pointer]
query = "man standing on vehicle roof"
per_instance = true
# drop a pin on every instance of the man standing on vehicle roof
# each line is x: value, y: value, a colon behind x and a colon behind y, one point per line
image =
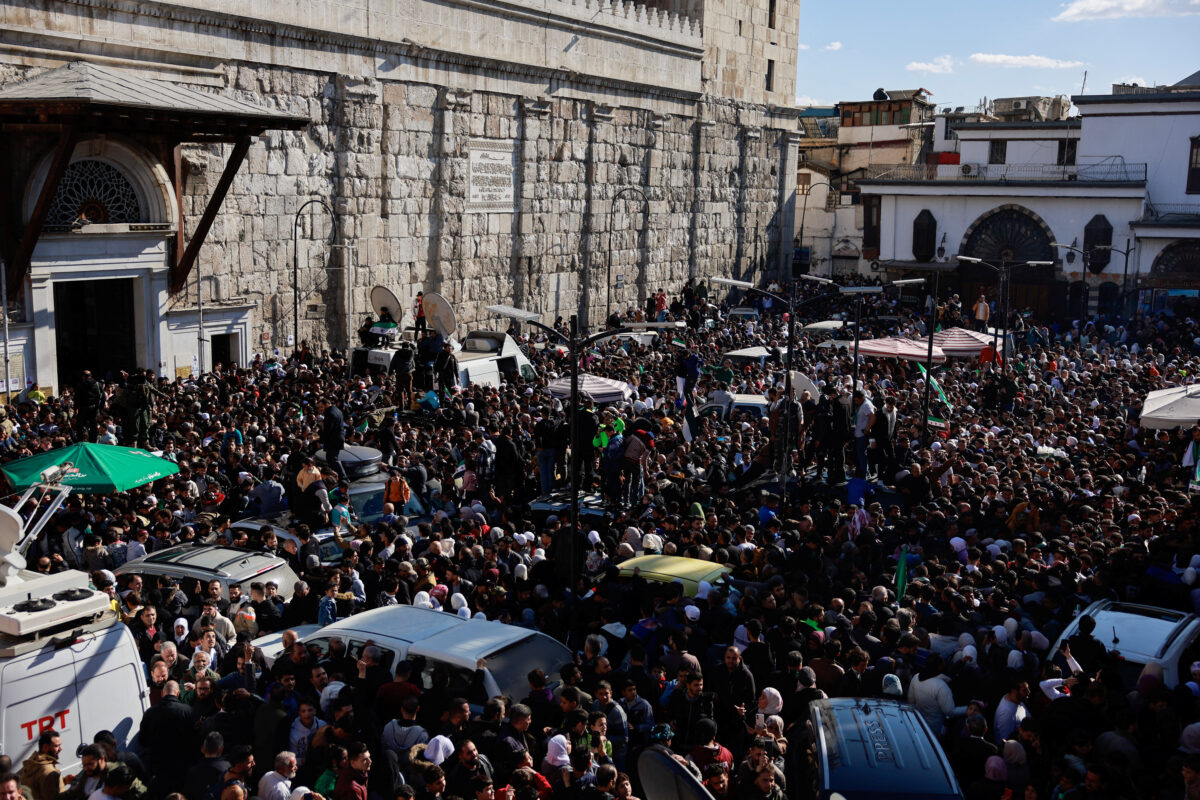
x: 333, y: 436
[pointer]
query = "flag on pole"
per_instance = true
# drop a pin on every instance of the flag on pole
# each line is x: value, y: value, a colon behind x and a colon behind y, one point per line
x: 936, y: 387
x: 902, y: 572
x: 689, y: 422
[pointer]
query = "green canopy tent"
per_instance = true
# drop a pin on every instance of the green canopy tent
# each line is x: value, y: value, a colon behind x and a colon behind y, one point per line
x: 94, y: 468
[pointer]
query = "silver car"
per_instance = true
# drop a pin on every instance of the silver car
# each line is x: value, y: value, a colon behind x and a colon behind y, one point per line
x: 229, y: 565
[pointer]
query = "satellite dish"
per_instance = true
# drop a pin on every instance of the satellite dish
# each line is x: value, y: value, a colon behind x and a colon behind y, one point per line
x: 381, y: 298
x: 801, y: 383
x: 664, y: 778
x: 440, y: 314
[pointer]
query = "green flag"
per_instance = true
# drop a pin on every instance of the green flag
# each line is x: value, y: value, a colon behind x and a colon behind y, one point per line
x: 902, y: 572
x: 936, y: 387
x: 366, y: 423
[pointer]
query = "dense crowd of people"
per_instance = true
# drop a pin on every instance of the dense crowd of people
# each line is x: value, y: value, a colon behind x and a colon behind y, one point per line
x: 1039, y: 494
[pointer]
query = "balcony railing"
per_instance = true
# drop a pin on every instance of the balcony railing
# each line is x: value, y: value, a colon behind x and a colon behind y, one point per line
x: 1107, y: 172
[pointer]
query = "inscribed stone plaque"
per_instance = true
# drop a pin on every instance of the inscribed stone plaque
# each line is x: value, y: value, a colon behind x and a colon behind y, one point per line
x: 493, y: 175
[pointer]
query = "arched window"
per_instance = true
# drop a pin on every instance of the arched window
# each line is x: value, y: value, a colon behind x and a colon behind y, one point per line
x: 94, y: 191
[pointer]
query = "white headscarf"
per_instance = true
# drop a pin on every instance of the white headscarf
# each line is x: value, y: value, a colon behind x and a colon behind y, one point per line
x: 438, y: 750
x: 557, y: 752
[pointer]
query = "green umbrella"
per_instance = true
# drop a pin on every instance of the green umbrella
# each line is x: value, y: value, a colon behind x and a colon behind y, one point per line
x: 95, y: 468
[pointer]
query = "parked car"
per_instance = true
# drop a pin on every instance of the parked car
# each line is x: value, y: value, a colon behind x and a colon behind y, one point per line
x: 743, y: 314
x: 872, y: 749
x: 358, y: 461
x: 229, y: 565
x: 1143, y: 635
x: 669, y: 569
x: 271, y: 644
x: 366, y: 499
x: 441, y: 639
x: 747, y: 406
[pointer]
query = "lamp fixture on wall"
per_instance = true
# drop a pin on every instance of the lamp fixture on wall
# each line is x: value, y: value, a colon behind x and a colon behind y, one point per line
x: 941, y: 251
x: 1071, y: 253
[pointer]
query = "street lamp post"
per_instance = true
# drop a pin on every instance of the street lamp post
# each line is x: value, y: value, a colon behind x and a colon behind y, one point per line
x: 859, y: 291
x: 296, y: 262
x: 792, y: 306
x: 576, y: 346
x: 1087, y: 255
x: 1003, y: 272
x: 612, y: 216
x: 933, y: 313
x: 804, y: 213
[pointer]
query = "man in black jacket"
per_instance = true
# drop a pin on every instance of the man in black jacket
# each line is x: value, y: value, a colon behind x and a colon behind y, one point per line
x: 167, y: 732
x: 333, y: 436
x: 88, y: 399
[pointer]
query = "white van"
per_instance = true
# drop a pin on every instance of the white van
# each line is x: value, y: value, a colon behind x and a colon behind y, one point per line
x: 67, y: 663
x: 488, y: 357
x: 443, y: 639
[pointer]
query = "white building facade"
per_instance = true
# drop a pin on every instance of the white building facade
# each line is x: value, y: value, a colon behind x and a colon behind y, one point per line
x: 1120, y: 183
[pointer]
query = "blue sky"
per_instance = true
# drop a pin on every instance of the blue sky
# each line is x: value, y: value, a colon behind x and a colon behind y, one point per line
x: 964, y: 50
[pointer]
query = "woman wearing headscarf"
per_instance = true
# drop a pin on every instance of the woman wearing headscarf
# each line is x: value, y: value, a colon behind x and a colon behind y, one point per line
x: 556, y: 766
x: 992, y: 785
x: 1013, y: 753
x: 179, y: 634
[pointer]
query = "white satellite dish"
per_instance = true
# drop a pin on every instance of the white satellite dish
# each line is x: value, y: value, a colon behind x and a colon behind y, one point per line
x: 440, y: 314
x: 383, y: 298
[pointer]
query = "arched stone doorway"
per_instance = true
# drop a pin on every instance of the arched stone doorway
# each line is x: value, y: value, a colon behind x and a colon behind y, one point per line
x: 1174, y: 278
x: 98, y: 276
x: 1012, y: 235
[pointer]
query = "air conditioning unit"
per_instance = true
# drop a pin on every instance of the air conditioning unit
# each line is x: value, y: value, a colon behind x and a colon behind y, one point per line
x: 1019, y: 105
x: 969, y: 170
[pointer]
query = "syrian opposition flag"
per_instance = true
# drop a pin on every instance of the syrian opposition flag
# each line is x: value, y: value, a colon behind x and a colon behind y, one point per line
x: 689, y: 421
x: 937, y: 387
x: 902, y: 572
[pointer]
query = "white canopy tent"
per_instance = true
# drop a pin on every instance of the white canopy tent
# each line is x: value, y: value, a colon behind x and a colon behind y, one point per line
x: 900, y: 347
x: 593, y: 387
x: 965, y: 343
x: 1172, y: 408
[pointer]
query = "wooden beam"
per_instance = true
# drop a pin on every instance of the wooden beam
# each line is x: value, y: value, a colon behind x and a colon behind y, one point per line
x: 179, y: 169
x: 182, y: 268
x: 19, y: 267
x: 9, y: 222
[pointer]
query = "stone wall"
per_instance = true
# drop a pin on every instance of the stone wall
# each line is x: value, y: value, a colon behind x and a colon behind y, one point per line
x: 694, y: 197
x: 631, y: 172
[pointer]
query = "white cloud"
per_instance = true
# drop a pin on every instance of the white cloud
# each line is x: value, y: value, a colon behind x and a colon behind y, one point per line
x: 834, y: 46
x: 942, y: 65
x: 802, y: 47
x: 1137, y: 81
x: 1036, y: 62
x: 1083, y: 10
x: 806, y: 100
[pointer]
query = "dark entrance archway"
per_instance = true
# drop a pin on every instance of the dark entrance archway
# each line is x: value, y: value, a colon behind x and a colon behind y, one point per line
x: 1012, y: 235
x: 94, y: 327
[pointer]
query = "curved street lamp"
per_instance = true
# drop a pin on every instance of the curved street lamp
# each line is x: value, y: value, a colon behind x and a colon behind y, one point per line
x: 612, y: 216
x: 804, y: 213
x: 1087, y: 255
x: 1004, y: 273
x: 296, y: 261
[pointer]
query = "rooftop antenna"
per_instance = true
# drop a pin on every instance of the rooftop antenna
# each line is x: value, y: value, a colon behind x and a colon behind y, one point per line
x: 1084, y: 86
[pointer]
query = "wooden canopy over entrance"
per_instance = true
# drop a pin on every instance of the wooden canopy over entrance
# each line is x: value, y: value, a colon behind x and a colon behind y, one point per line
x: 82, y: 99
